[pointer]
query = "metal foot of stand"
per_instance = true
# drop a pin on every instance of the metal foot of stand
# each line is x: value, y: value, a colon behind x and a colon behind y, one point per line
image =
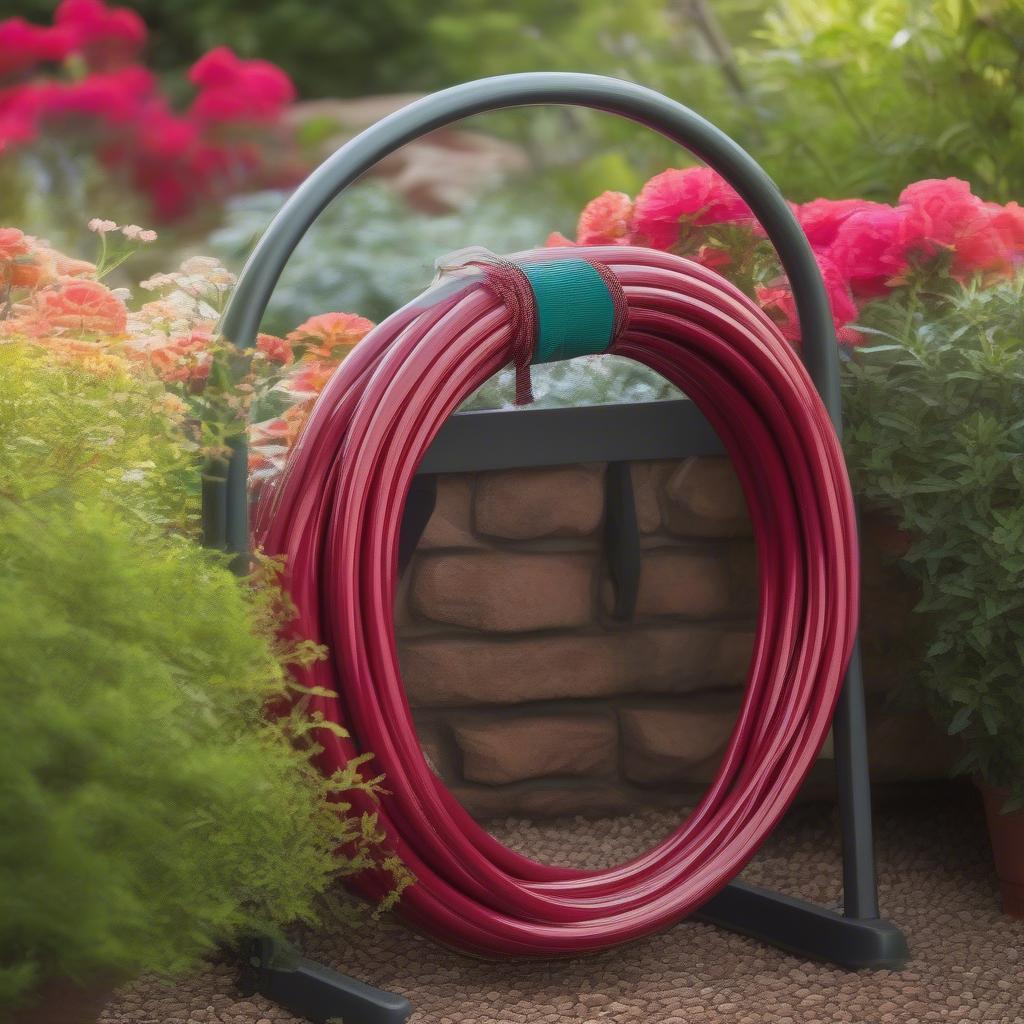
x: 806, y: 929
x: 315, y: 992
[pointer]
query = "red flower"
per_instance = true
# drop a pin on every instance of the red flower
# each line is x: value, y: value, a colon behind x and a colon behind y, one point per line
x: 992, y: 243
x: 231, y: 89
x: 16, y: 128
x: 24, y: 45
x: 697, y: 195
x: 822, y: 218
x: 107, y: 37
x: 276, y: 350
x: 870, y: 248
x: 118, y: 97
x: 940, y: 211
x: 778, y: 302
x: 606, y: 220
x: 330, y: 335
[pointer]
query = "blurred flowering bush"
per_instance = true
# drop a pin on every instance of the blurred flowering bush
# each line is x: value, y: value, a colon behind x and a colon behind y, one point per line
x: 165, y: 331
x: 76, y: 92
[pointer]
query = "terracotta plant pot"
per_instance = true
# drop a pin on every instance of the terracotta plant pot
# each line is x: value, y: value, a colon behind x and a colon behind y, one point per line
x: 62, y: 1001
x: 1007, y: 834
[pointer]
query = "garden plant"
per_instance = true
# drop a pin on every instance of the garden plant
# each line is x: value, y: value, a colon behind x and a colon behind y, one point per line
x: 153, y: 809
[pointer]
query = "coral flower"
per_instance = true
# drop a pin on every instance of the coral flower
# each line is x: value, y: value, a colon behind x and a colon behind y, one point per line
x: 871, y: 249
x: 276, y: 350
x: 77, y: 306
x: 821, y: 219
x: 696, y: 195
x: 330, y: 335
x: 13, y: 243
x: 185, y: 358
x: 606, y: 220
x: 309, y: 379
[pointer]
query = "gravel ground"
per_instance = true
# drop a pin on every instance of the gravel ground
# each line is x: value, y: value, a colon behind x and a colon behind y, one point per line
x: 936, y: 881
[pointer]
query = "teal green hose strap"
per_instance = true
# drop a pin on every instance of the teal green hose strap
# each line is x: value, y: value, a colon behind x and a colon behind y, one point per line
x: 575, y: 312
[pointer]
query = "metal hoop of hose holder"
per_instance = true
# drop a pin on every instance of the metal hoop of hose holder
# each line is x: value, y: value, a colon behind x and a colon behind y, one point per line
x: 340, y: 505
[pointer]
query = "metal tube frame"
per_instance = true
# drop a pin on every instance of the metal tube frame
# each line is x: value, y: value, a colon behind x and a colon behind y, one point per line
x: 857, y: 937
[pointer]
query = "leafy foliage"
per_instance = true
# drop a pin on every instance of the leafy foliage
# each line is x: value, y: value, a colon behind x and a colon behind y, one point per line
x: 858, y: 98
x: 150, y: 810
x: 338, y: 263
x: 936, y: 436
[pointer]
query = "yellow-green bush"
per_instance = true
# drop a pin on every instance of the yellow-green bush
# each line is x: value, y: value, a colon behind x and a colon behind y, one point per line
x: 149, y: 809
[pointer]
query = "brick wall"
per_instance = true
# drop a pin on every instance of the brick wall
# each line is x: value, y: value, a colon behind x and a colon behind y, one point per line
x: 531, y: 698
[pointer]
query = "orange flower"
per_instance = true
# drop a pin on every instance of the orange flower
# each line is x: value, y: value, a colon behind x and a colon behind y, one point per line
x: 13, y: 243
x: 17, y: 266
x: 276, y: 350
x: 328, y: 333
x: 185, y: 358
x: 606, y: 220
x: 75, y: 306
x: 309, y: 379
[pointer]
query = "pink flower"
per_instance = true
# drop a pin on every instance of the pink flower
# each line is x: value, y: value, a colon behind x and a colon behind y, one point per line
x: 606, y: 220
x: 276, y: 350
x: 24, y: 45
x: 870, y: 248
x: 557, y: 240
x: 117, y: 97
x: 330, y: 335
x: 108, y: 37
x: 232, y: 89
x: 778, y: 302
x: 822, y: 218
x: 991, y: 244
x: 16, y: 127
x: 696, y: 195
x: 940, y: 211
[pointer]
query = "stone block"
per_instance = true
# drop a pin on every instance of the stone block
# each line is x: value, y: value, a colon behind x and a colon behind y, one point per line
x: 504, y: 592
x: 527, y: 504
x: 502, y: 749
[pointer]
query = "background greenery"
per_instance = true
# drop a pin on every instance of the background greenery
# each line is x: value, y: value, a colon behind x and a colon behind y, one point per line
x: 836, y: 97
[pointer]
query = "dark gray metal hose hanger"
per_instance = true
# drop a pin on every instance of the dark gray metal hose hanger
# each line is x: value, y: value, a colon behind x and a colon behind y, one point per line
x: 856, y: 937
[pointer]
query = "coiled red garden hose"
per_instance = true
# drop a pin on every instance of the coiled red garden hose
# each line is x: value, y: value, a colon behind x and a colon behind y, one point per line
x: 336, y: 516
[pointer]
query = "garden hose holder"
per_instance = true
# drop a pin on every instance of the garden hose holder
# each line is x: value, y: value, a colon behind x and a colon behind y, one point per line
x: 728, y: 355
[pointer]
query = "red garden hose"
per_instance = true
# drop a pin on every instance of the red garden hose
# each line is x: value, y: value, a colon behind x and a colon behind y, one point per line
x: 336, y: 516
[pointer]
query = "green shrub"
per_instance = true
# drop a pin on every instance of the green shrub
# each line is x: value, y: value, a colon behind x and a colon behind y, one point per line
x: 857, y: 98
x: 936, y: 435
x: 92, y: 431
x: 150, y: 810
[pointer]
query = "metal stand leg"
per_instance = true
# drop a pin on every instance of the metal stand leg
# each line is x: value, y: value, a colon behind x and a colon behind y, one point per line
x: 317, y: 993
x: 858, y: 937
